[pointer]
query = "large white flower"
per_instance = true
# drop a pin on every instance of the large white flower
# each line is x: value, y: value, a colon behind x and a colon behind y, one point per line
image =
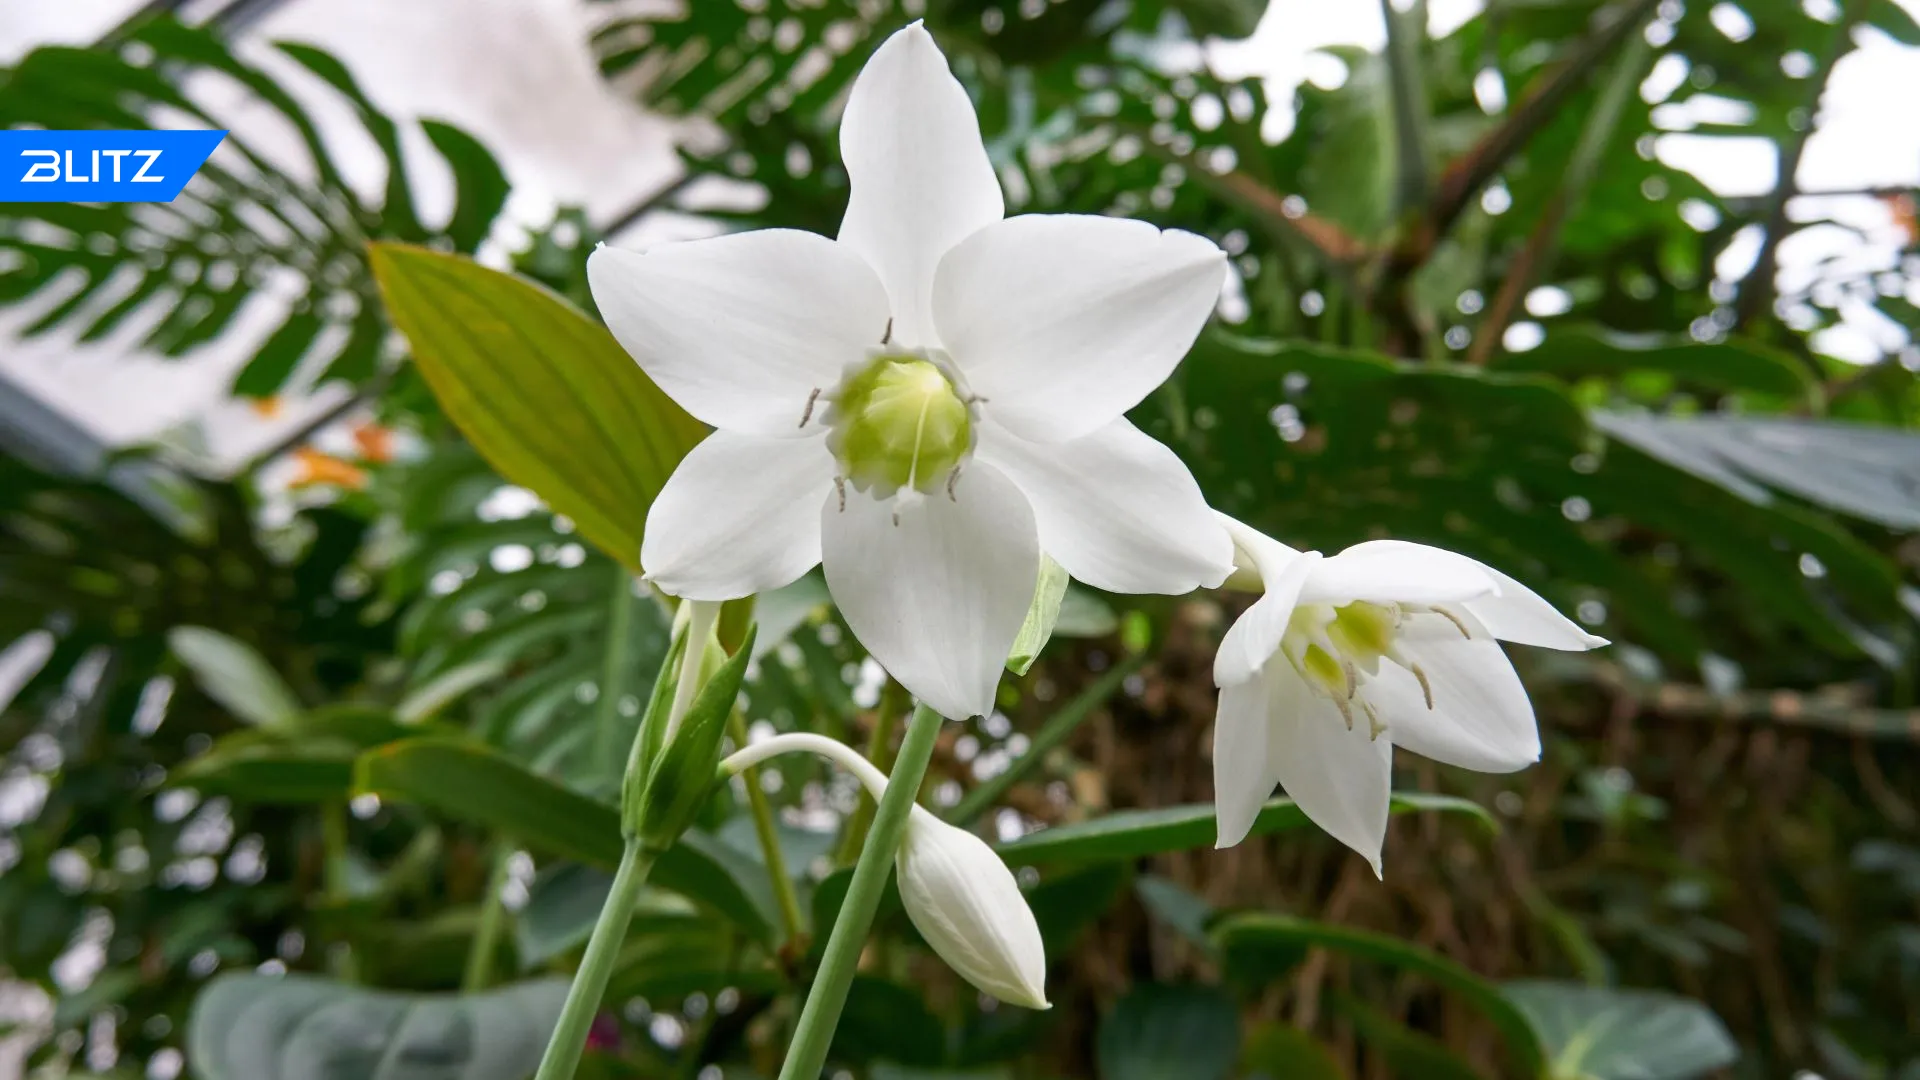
x: 1385, y: 644
x: 929, y: 401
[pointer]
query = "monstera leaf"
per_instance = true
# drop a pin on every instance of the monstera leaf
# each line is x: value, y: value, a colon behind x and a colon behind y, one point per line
x: 296, y: 1027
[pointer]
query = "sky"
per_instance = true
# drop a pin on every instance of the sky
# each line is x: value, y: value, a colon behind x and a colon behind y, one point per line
x: 517, y: 74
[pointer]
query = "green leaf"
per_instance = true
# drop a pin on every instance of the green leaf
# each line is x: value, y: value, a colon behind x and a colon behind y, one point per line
x: 234, y: 675
x: 1733, y: 364
x: 299, y: 1027
x: 1177, y: 906
x: 1599, y: 1033
x: 887, y: 1021
x: 1131, y: 834
x: 564, y: 902
x: 306, y: 759
x: 1067, y: 904
x: 1042, y: 614
x: 1160, y: 1032
x: 446, y: 688
x: 545, y: 394
x: 472, y: 783
x: 1276, y: 1052
x: 1253, y: 935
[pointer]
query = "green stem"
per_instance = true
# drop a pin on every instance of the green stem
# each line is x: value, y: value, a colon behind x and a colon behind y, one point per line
x: 886, y: 719
x: 1406, y: 33
x: 821, y: 1014
x: 763, y: 827
x: 1051, y: 734
x: 486, y: 937
x: 596, y: 966
x: 613, y: 673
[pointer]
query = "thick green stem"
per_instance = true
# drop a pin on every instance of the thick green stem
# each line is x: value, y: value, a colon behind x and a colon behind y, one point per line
x: 486, y: 937
x: 1406, y: 33
x: 763, y: 827
x: 590, y: 982
x: 886, y: 720
x: 821, y: 1014
x: 613, y: 672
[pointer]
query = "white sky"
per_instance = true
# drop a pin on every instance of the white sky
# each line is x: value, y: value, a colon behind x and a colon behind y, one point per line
x: 517, y: 74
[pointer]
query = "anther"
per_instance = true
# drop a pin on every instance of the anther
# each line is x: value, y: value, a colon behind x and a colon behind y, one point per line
x: 1353, y: 680
x: 808, y: 414
x: 952, y: 479
x: 1457, y: 622
x: 1346, y: 711
x: 1374, y: 726
x: 840, y: 488
x: 1425, y: 687
x: 887, y: 338
x: 896, y: 519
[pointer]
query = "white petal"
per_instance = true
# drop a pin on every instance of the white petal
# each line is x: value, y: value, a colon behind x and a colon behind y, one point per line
x: 1117, y: 509
x: 740, y: 515
x: 1255, y: 636
x: 1063, y: 322
x: 741, y: 329
x: 939, y: 597
x: 1520, y: 615
x: 1389, y: 571
x: 919, y: 173
x: 967, y: 904
x: 1481, y: 718
x: 1340, y: 777
x: 1241, y: 779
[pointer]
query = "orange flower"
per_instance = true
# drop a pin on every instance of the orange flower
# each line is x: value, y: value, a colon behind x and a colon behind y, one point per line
x: 317, y: 467
x: 375, y: 442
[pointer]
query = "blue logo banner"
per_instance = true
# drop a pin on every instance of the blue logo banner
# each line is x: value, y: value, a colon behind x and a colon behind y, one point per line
x: 101, y: 166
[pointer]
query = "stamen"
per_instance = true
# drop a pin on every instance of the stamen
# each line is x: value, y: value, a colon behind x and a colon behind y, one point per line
x: 808, y: 414
x: 1425, y: 687
x: 1398, y: 614
x: 1457, y: 622
x: 952, y: 479
x: 1374, y: 726
x: 1346, y: 711
x: 887, y: 338
x: 840, y: 488
x: 896, y: 519
x: 1353, y: 680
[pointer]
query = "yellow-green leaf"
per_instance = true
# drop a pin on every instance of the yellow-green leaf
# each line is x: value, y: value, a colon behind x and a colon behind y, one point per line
x: 542, y: 391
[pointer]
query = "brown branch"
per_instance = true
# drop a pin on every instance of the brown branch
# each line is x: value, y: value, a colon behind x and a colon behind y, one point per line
x: 1756, y: 291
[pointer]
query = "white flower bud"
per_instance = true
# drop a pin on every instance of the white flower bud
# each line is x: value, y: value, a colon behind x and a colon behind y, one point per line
x: 966, y: 903
x: 958, y: 893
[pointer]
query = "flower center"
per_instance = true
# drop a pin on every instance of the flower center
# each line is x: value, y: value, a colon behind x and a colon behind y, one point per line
x: 1337, y: 649
x: 899, y: 424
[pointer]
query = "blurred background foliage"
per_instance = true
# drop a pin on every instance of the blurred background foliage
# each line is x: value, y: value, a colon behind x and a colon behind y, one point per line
x: 364, y: 721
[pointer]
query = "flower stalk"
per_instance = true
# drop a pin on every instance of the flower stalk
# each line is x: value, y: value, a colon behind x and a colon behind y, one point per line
x: 821, y: 1013
x: 596, y: 966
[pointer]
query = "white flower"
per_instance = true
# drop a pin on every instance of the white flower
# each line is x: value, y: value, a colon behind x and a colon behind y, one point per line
x: 929, y: 401
x: 1385, y: 644
x: 959, y: 894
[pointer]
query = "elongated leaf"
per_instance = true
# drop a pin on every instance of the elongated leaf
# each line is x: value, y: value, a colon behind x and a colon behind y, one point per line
x: 544, y: 393
x: 1734, y: 364
x: 1599, y: 1033
x: 298, y: 1027
x: 234, y: 675
x: 1131, y: 834
x: 472, y: 783
x: 1041, y: 617
x: 446, y: 688
x: 1261, y: 932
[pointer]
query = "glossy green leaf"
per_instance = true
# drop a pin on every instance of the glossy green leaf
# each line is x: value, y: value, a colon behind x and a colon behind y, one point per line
x: 1258, y: 933
x: 1161, y: 1032
x: 564, y: 902
x: 305, y: 759
x: 1600, y: 1033
x: 446, y: 688
x: 472, y: 783
x: 1131, y: 834
x: 234, y: 675
x: 1733, y: 364
x: 299, y: 1027
x: 544, y: 393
